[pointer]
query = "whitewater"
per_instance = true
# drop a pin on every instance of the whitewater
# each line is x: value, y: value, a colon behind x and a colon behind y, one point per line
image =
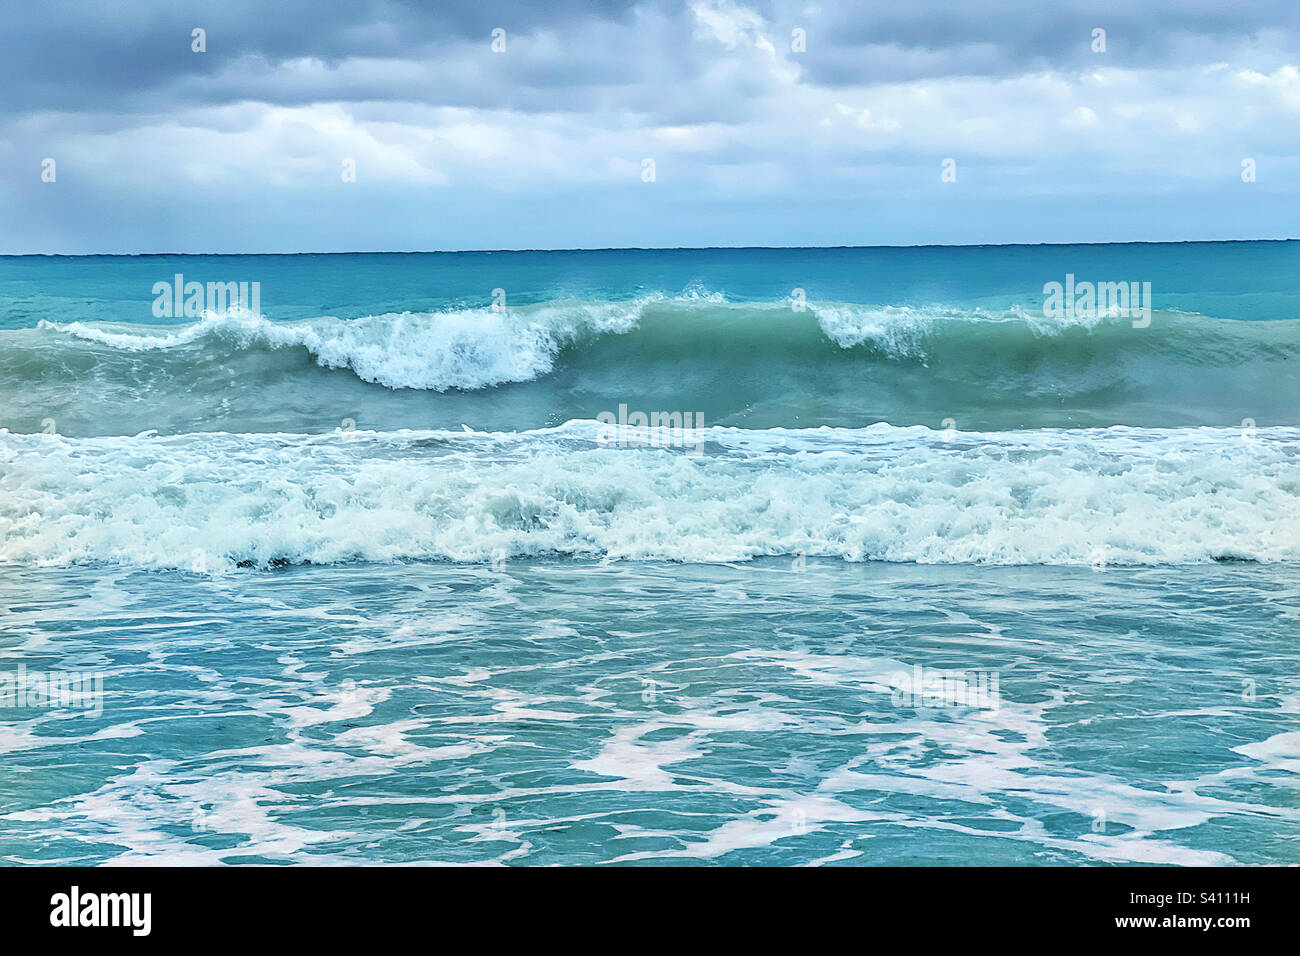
x: 1119, y: 495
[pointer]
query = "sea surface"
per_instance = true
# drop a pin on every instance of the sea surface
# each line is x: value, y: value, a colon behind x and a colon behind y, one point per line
x: 729, y: 556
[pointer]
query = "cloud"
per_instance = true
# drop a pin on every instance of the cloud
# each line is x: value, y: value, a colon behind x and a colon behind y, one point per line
x: 148, y: 134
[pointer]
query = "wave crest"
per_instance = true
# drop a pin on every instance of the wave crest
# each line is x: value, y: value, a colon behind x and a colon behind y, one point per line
x: 478, y: 348
x: 463, y: 349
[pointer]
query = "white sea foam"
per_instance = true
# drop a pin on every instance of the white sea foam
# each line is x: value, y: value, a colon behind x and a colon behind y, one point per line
x: 1105, y: 497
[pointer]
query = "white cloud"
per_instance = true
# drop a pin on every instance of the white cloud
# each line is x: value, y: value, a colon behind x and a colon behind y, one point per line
x: 1080, y: 118
x: 732, y: 25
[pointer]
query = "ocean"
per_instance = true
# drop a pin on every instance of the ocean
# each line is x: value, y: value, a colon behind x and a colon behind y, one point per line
x: 854, y: 556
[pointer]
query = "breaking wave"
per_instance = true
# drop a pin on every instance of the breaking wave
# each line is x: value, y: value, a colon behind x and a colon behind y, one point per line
x: 1117, y: 496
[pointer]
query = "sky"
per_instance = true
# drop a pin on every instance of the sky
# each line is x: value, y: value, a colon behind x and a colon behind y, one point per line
x: 305, y: 126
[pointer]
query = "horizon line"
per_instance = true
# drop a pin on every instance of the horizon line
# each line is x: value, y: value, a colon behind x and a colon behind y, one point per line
x: 430, y: 252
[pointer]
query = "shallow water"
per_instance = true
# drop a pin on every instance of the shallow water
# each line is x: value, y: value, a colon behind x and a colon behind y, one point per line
x: 551, y: 711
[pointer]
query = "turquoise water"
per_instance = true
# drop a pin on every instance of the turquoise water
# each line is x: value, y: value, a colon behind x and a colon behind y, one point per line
x: 365, y: 576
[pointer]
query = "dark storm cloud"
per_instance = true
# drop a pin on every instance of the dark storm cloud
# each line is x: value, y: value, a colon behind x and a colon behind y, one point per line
x: 566, y: 55
x: 887, y: 41
x: 77, y: 56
